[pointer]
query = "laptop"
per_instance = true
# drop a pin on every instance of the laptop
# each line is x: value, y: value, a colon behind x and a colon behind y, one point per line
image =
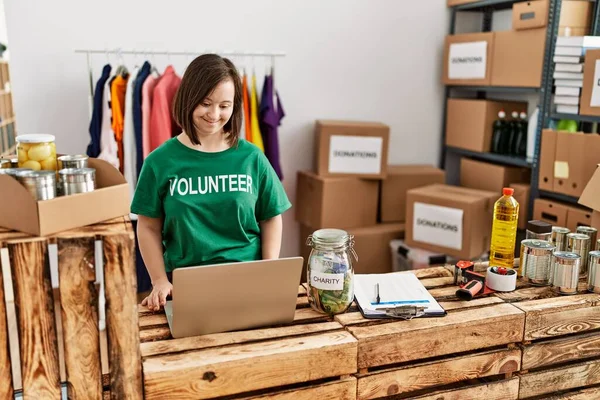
x: 233, y: 296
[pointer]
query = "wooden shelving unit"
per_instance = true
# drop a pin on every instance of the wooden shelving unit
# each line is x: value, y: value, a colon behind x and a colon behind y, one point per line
x: 8, y: 130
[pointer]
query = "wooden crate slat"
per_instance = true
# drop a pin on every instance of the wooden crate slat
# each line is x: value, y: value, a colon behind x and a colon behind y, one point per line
x: 6, y: 379
x: 35, y: 318
x: 431, y: 283
x: 79, y: 306
x: 462, y: 304
x: 344, y: 389
x: 301, y: 291
x: 561, y: 315
x: 443, y: 292
x: 159, y: 333
x: 421, y: 338
x: 586, y: 394
x: 228, y: 338
x: 241, y: 368
x: 524, y: 294
x: 122, y: 317
x: 500, y: 390
x: 559, y: 379
x: 562, y: 350
x: 433, y: 272
x: 152, y: 320
x: 438, y: 373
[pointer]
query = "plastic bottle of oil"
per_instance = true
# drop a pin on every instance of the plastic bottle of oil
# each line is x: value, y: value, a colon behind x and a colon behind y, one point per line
x: 504, y: 230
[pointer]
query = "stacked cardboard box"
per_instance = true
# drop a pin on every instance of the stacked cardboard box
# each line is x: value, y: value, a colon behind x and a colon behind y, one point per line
x: 353, y: 188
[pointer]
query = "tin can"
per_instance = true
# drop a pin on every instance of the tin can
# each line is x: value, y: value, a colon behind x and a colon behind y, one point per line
x: 594, y: 272
x: 591, y: 232
x: 76, y: 180
x: 536, y: 261
x: 565, y: 269
x: 559, y: 237
x: 73, y: 161
x: 41, y: 184
x: 580, y: 244
x: 5, y: 163
x: 539, y: 230
x: 13, y: 171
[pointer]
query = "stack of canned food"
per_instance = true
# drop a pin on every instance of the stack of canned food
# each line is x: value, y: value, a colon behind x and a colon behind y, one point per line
x: 45, y: 175
x: 555, y: 256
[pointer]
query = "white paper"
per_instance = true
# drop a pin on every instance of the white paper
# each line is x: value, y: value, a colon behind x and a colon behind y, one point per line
x: 355, y: 154
x: 595, y: 101
x: 324, y: 281
x: 438, y: 225
x: 467, y: 60
x: 395, y: 289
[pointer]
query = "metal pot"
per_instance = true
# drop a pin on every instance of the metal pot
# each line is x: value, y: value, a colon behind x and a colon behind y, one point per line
x: 76, y: 180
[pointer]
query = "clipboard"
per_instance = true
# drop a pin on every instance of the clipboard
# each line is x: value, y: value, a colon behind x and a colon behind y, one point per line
x: 404, y: 297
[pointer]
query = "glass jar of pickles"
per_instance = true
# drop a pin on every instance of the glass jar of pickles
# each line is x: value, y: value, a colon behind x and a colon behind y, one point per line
x: 36, y: 152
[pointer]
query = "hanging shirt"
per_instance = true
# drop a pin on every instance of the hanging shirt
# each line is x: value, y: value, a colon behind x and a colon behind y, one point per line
x: 137, y: 115
x: 246, y: 100
x: 129, y: 150
x: 211, y: 203
x: 93, y: 149
x: 108, y: 144
x: 118, y: 89
x: 256, y: 135
x: 147, y: 91
x: 162, y: 124
x: 270, y: 119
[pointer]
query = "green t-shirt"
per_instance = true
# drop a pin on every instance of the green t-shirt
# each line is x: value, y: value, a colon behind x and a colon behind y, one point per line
x: 211, y: 203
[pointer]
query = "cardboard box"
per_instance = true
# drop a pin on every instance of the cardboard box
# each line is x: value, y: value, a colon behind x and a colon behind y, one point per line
x: 522, y: 194
x: 584, y: 31
x: 400, y: 179
x: 468, y: 59
x: 552, y: 212
x: 372, y: 245
x: 21, y: 212
x: 530, y: 15
x: 452, y: 3
x: 450, y: 220
x: 576, y: 157
x: 491, y: 177
x: 576, y: 14
x: 350, y: 148
x: 547, y: 157
x: 323, y: 202
x: 578, y: 217
x: 518, y: 58
x: 591, y: 197
x: 469, y: 122
x: 589, y: 83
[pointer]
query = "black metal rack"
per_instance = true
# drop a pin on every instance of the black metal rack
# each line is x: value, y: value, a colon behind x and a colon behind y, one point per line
x: 545, y: 116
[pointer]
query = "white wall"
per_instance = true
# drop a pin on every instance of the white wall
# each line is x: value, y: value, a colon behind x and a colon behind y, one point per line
x: 364, y: 60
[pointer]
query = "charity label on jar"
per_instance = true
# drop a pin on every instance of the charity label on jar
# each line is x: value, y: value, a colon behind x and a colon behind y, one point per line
x: 327, y: 281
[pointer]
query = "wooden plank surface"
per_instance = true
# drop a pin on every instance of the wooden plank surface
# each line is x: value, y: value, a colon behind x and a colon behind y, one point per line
x: 421, y: 338
x: 79, y: 306
x: 438, y: 373
x: 344, y: 389
x: 35, y: 318
x: 556, y: 351
x: 561, y: 315
x: 247, y: 367
x: 500, y: 390
x: 431, y: 283
x: 229, y: 338
x: 559, y: 379
x: 122, y: 317
x: 585, y: 394
x: 6, y: 379
x: 433, y: 272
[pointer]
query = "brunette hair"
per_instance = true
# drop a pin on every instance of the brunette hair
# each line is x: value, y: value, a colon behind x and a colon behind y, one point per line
x: 198, y: 82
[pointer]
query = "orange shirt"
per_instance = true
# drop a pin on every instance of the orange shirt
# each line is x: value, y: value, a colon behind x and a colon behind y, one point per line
x: 117, y: 98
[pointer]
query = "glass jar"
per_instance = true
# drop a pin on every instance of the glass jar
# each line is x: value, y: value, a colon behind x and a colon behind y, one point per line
x: 330, y: 274
x: 36, y: 152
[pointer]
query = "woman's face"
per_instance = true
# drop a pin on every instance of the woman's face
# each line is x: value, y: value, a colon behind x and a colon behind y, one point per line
x: 215, y: 110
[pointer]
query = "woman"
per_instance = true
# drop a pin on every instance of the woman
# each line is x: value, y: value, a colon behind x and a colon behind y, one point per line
x: 205, y: 197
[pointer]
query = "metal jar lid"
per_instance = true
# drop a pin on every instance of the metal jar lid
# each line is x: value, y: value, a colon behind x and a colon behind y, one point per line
x: 77, y: 175
x: 586, y: 229
x: 537, y: 247
x: 560, y: 229
x: 76, y: 157
x: 35, y: 138
x: 567, y: 257
x: 536, y: 226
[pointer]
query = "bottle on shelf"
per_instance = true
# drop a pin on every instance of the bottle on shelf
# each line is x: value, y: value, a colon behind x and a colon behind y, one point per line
x: 504, y: 230
x: 498, y: 130
x: 520, y: 149
x: 513, y: 130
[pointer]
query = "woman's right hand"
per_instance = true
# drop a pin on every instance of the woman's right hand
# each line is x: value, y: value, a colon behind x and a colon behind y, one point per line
x: 159, y: 294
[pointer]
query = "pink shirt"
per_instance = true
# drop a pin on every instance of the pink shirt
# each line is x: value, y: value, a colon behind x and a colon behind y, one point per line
x: 162, y: 124
x: 147, y: 90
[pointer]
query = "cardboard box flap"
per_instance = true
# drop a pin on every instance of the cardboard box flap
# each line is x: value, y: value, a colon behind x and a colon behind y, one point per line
x: 591, y: 194
x: 106, y: 174
x: 345, y: 124
x: 19, y: 208
x: 462, y: 194
x: 416, y: 169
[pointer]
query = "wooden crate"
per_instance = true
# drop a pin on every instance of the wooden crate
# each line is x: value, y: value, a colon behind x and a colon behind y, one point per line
x: 63, y: 324
x: 314, y: 357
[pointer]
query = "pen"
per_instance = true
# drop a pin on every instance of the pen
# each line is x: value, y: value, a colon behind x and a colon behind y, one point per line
x: 377, y: 293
